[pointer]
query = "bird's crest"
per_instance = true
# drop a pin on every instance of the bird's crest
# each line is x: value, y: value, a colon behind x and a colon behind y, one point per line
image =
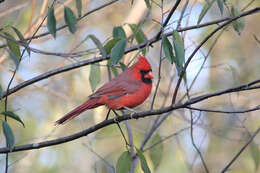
x: 143, y: 63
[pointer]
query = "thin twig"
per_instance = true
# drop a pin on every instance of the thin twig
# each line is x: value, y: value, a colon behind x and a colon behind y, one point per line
x: 195, y: 146
x: 202, y: 43
x: 225, y: 112
x: 158, y: 35
x: 11, y: 80
x: 182, y: 13
x: 160, y: 64
x: 165, y: 138
x: 98, y: 59
x: 165, y: 111
x: 240, y: 151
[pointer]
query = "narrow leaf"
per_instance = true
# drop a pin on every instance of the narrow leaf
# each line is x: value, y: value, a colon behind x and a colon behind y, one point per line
x: 179, y: 51
x: 167, y: 48
x: 20, y: 35
x: 98, y: 44
x: 9, y: 136
x: 148, y: 4
x: 118, y: 32
x: 117, y: 51
x: 156, y: 152
x: 238, y: 24
x: 254, y: 150
x: 51, y: 24
x: 110, y: 44
x: 13, y: 46
x: 79, y: 7
x: 220, y: 6
x: 144, y: 165
x: 123, y: 66
x: 113, y: 68
x: 13, y: 116
x: 94, y: 76
x: 139, y: 35
x: 205, y: 9
x: 123, y: 164
x: 70, y: 19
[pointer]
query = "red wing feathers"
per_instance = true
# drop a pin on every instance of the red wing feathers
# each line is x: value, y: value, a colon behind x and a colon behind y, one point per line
x: 121, y: 85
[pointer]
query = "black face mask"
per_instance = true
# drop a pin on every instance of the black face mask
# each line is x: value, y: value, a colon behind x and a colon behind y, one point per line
x: 145, y: 80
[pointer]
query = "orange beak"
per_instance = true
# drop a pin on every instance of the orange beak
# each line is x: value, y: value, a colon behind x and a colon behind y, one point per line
x: 149, y: 75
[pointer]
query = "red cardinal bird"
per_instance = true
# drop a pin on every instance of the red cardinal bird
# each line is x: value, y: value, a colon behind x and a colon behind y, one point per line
x: 128, y: 89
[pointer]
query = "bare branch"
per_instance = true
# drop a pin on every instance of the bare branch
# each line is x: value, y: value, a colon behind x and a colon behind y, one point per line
x: 98, y: 59
x: 195, y: 146
x: 240, y: 151
x: 165, y: 111
x: 225, y: 112
x: 256, y: 10
x: 168, y: 19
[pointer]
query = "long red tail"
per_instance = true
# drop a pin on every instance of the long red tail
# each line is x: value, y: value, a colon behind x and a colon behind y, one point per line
x: 92, y: 103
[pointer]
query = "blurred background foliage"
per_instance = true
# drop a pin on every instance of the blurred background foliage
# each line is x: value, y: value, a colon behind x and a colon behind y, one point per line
x: 233, y: 60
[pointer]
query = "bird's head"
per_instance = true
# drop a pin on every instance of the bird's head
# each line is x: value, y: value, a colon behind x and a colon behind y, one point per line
x: 143, y: 70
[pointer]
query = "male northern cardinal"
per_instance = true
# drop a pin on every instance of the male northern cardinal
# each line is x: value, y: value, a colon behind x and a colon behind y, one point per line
x: 129, y: 89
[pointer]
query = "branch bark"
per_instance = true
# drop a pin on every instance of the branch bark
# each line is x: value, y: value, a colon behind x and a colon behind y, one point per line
x: 245, y: 87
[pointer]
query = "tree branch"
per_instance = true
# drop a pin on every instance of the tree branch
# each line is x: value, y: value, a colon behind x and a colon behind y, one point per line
x: 225, y: 112
x: 245, y: 87
x: 241, y: 150
x: 255, y: 10
x: 98, y: 59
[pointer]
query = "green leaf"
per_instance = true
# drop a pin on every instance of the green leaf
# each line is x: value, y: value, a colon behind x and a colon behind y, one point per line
x: 205, y: 9
x: 15, y: 53
x: 110, y: 44
x: 113, y: 68
x: 123, y: 164
x: 20, y: 35
x: 148, y: 4
x: 118, y: 51
x: 139, y: 35
x: 144, y: 165
x: 118, y: 32
x: 167, y: 48
x: 123, y: 66
x: 220, y: 6
x: 70, y: 19
x: 9, y: 136
x: 156, y: 152
x: 79, y: 7
x: 13, y: 116
x: 179, y: 51
x: 238, y: 24
x: 98, y: 44
x: 51, y: 24
x: 13, y: 46
x: 94, y: 76
x: 254, y: 151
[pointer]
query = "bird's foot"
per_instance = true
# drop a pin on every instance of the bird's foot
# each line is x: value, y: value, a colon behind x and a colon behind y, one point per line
x: 130, y: 110
x: 115, y: 120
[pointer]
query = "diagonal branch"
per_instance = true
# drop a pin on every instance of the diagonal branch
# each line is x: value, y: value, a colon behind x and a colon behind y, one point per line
x: 225, y: 112
x: 241, y: 150
x: 98, y: 59
x: 245, y: 87
x: 168, y: 18
x: 203, y: 42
